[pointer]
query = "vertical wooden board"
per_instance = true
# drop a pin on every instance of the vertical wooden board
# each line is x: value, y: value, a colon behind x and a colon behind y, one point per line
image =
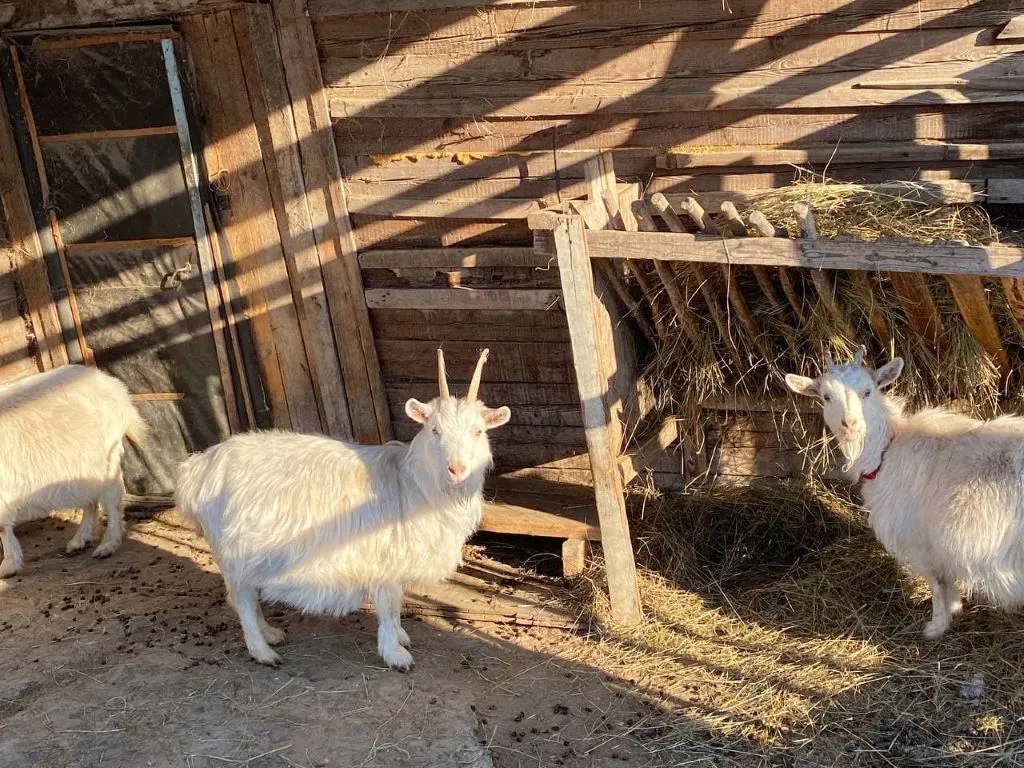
x: 592, y: 379
x: 27, y: 253
x: 331, y: 223
x: 251, y: 229
x: 268, y: 94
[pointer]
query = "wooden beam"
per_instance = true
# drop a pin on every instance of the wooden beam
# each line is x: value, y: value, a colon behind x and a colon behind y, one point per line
x: 54, y: 14
x: 452, y: 258
x: 126, y: 133
x: 107, y: 246
x: 592, y: 379
x: 881, y: 255
x: 332, y: 226
x: 634, y: 463
x: 467, y: 298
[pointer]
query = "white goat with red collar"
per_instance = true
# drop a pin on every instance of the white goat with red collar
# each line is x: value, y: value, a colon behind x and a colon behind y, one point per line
x: 320, y: 524
x: 945, y: 492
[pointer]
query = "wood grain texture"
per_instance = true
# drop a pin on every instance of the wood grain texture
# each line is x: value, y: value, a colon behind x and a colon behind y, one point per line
x: 332, y: 226
x: 592, y: 379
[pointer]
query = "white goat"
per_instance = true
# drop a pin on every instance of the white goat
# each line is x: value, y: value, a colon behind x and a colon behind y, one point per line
x: 61, y: 442
x: 320, y: 524
x: 945, y: 492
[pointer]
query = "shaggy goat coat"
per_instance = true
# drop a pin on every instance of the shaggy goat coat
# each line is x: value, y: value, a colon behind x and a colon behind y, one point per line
x: 61, y: 443
x: 319, y: 524
x: 945, y: 492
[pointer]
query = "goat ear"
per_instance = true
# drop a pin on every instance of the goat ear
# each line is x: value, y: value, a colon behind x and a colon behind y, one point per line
x: 802, y: 385
x: 417, y: 411
x: 496, y: 417
x: 888, y: 373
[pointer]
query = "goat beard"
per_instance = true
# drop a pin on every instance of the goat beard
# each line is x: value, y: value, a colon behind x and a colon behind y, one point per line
x: 851, y: 450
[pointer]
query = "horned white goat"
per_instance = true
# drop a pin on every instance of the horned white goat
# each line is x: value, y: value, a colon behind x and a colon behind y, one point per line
x: 319, y: 524
x: 945, y: 492
x: 61, y: 442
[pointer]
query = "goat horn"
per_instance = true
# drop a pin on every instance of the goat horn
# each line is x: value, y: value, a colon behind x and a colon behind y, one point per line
x: 442, y: 378
x: 474, y: 385
x: 858, y: 356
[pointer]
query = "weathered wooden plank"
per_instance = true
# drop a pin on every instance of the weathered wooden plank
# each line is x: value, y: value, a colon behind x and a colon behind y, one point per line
x: 616, y: 92
x: 466, y: 325
x: 269, y: 99
x: 252, y: 230
x: 53, y: 14
x: 509, y: 361
x: 26, y: 253
x: 500, y: 517
x: 467, y: 298
x: 1014, y: 29
x: 452, y: 258
x: 332, y: 226
x: 477, y: 278
x: 222, y: 132
x: 637, y: 461
x: 515, y: 395
x: 592, y: 380
x: 995, y: 260
x: 597, y: 23
x: 516, y: 434
x: 560, y: 416
x: 380, y: 203
x: 825, y: 127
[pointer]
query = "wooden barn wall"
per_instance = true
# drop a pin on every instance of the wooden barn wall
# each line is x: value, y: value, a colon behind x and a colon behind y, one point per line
x: 453, y: 123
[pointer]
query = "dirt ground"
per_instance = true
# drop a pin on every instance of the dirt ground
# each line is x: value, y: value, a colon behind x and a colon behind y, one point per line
x: 781, y: 639
x: 136, y: 661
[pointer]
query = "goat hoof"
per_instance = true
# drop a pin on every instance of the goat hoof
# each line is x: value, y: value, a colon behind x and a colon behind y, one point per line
x: 399, y: 659
x: 934, y: 630
x: 106, y: 549
x: 75, y: 546
x: 269, y: 659
x: 8, y: 569
x: 274, y: 635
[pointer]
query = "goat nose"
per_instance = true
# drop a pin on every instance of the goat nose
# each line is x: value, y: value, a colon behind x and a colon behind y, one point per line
x: 456, y: 470
x: 850, y: 423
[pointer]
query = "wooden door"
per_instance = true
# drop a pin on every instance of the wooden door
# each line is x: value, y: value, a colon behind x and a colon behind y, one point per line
x: 104, y: 126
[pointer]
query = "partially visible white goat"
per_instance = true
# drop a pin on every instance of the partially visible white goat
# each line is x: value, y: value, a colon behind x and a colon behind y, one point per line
x: 61, y: 442
x: 319, y: 524
x: 945, y: 492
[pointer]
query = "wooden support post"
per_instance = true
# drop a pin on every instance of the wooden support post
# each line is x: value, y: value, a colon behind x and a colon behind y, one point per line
x: 969, y: 294
x: 821, y: 279
x: 594, y: 363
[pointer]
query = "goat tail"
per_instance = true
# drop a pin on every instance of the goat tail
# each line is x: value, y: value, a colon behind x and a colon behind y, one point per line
x: 137, y: 429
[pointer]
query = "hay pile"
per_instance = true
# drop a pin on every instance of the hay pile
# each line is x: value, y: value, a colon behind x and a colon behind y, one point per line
x: 795, y: 338
x: 781, y: 633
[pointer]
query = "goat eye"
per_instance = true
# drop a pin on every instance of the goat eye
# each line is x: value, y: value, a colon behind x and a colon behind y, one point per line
x: 477, y: 432
x: 867, y: 393
x: 436, y: 431
x: 826, y: 398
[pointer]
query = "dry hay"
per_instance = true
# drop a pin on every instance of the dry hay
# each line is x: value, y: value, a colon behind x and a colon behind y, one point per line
x: 780, y: 633
x: 685, y: 376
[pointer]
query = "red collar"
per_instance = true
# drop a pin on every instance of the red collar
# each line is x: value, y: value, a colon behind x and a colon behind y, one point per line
x: 874, y: 473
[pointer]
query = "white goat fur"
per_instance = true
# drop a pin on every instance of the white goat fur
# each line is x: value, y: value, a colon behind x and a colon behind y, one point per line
x: 948, y: 497
x: 319, y: 524
x: 61, y: 443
